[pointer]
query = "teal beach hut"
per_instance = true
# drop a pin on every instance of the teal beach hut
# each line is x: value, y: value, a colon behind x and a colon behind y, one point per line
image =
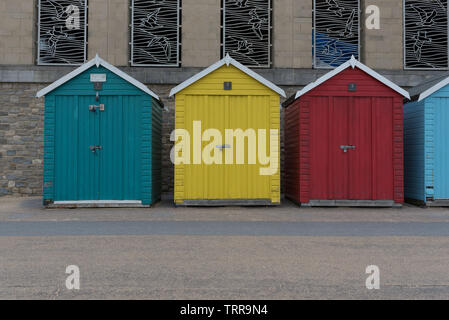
x: 102, y: 139
x: 426, y: 129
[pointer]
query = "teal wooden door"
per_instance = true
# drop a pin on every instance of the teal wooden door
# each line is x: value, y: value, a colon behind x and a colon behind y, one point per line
x: 76, y: 166
x: 86, y: 171
x: 111, y: 172
x: 120, y: 133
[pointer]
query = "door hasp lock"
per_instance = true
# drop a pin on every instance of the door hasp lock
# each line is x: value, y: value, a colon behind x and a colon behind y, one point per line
x: 223, y: 146
x: 346, y: 148
x: 95, y: 148
x: 94, y: 108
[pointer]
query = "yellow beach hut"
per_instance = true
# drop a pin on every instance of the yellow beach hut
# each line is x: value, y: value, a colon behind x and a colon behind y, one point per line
x: 227, y: 138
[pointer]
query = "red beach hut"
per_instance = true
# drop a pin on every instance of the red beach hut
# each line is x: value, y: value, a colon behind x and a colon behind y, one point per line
x: 344, y: 140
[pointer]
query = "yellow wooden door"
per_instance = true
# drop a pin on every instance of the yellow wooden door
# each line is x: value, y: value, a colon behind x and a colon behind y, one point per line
x: 203, y: 181
x: 227, y: 180
x: 244, y: 181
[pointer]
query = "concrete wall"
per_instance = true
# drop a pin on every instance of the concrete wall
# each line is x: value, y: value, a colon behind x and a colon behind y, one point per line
x: 17, y: 25
x: 292, y: 33
x: 109, y: 30
x: 383, y: 48
x: 200, y: 32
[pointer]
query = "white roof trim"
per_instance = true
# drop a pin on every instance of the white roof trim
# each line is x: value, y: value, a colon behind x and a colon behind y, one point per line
x: 97, y: 61
x: 352, y: 63
x: 227, y: 61
x: 433, y: 89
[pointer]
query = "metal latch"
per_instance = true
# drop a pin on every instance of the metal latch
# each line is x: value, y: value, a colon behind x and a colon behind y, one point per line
x: 94, y: 108
x: 95, y: 148
x: 346, y: 148
x: 223, y: 146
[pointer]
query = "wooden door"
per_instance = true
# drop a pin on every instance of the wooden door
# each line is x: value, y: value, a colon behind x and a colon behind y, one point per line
x: 351, y: 148
x: 339, y: 162
x: 360, y: 159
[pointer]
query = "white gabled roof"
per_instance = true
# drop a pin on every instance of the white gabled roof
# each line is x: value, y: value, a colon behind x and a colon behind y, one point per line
x: 227, y: 61
x: 352, y: 63
x: 98, y: 62
x: 434, y: 89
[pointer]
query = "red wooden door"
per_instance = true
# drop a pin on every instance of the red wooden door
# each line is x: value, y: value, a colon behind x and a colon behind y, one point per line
x: 370, y: 119
x: 351, y: 149
x: 362, y: 127
x: 360, y: 159
x: 339, y: 135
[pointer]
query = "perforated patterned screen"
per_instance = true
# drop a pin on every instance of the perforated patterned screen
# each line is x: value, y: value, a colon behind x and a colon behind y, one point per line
x: 426, y: 35
x: 155, y: 32
x: 62, y: 31
x: 246, y: 31
x: 336, y: 32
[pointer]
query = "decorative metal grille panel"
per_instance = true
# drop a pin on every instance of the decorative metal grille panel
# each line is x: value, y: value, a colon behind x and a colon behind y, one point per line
x: 426, y: 34
x: 155, y: 32
x: 246, y: 31
x: 336, y: 33
x: 62, y: 32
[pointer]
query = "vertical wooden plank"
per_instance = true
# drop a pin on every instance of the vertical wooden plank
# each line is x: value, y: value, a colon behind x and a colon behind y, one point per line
x: 429, y: 140
x: 398, y: 149
x: 179, y: 174
x: 304, y: 154
x: 383, y: 156
x: 275, y: 119
x: 146, y: 150
x: 49, y: 149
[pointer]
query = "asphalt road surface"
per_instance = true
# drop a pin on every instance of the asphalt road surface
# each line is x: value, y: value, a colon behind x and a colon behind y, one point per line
x: 222, y: 253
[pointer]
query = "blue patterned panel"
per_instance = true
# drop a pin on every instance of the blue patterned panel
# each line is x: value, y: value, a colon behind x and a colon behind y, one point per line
x: 336, y: 32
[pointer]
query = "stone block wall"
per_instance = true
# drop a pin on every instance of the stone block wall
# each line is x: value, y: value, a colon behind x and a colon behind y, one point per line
x: 21, y: 139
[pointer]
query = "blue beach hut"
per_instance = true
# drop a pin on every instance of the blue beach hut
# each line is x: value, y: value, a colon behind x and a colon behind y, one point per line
x: 426, y: 130
x: 102, y: 139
